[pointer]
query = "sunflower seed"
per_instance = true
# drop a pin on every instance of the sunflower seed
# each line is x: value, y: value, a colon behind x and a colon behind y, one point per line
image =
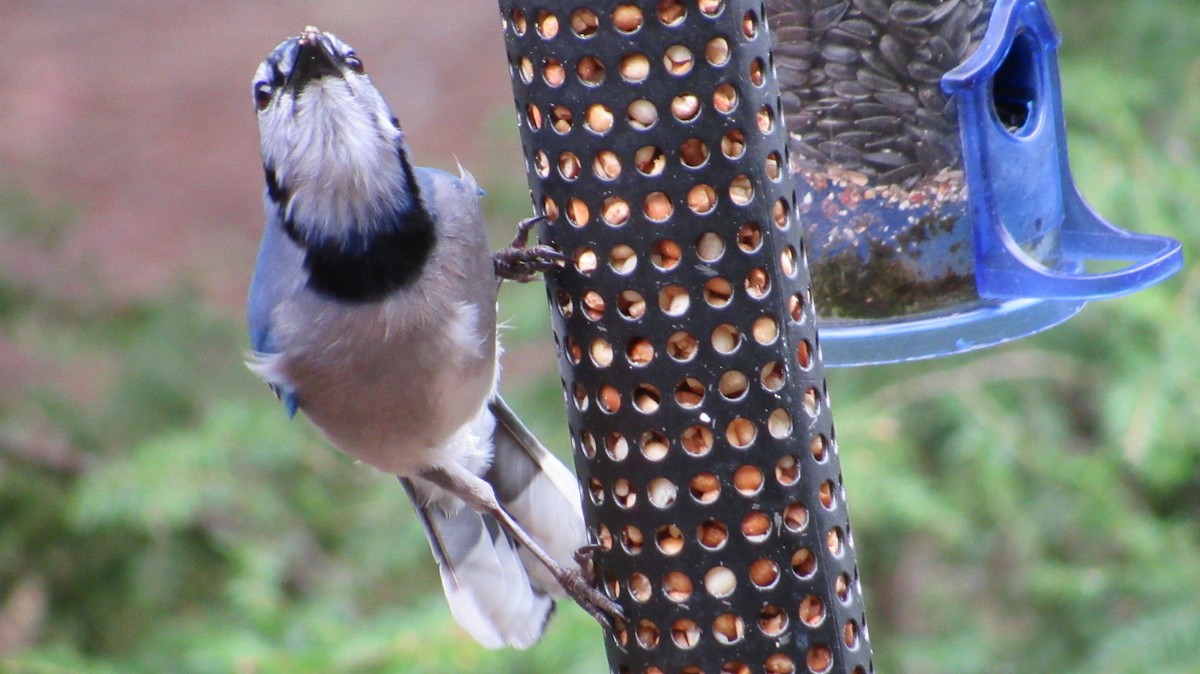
x: 933, y: 121
x: 790, y: 102
x: 954, y: 27
x: 877, y: 81
x: 828, y: 104
x: 899, y: 101
x: 785, y: 13
x: 942, y: 54
x: 921, y: 135
x: 795, y: 121
x: 851, y: 91
x: 880, y: 124
x: 925, y: 72
x: 790, y: 33
x: 839, y: 53
x: 875, y: 9
x: 815, y: 138
x: 898, y: 175
x: 810, y: 152
x: 887, y: 158
x: 858, y: 138
x: 860, y: 27
x: 841, y: 152
x: 916, y: 13
x: 803, y: 50
x: 975, y: 9
x: 792, y: 63
x: 876, y: 61
x: 840, y: 71
x: 934, y: 154
x: 896, y: 53
x: 838, y: 35
x: 833, y: 125
x: 931, y: 96
x: 913, y: 35
x: 899, y: 143
x: 869, y: 109
x: 790, y: 81
x: 825, y: 18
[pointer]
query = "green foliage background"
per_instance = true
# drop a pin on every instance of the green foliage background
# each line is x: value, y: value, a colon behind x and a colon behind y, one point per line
x: 1030, y: 508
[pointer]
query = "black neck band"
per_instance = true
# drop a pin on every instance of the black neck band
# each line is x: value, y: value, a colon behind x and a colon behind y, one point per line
x: 366, y: 267
x: 381, y: 263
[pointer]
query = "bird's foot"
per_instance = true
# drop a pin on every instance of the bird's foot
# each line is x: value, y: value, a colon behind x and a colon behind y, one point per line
x: 579, y: 587
x: 521, y: 262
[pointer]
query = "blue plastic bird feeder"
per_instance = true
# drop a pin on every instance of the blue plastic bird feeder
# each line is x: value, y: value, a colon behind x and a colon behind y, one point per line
x: 1010, y: 254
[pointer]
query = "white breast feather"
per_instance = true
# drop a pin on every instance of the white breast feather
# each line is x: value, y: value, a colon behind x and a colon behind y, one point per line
x: 341, y: 163
x: 464, y: 332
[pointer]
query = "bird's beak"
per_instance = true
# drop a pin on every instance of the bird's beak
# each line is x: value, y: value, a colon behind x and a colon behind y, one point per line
x: 314, y: 60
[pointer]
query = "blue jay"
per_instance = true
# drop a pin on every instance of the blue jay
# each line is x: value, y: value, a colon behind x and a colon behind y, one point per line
x: 373, y: 310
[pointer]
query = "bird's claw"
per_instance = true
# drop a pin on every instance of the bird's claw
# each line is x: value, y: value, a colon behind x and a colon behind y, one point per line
x: 524, y: 264
x: 521, y: 262
x: 604, y: 610
x: 585, y: 557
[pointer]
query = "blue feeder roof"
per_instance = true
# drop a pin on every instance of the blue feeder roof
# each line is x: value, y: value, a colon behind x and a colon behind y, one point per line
x: 1008, y: 18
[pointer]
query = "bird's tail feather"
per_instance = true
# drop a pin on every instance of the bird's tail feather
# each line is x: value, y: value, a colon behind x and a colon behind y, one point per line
x: 538, y: 491
x: 497, y: 590
x: 486, y: 583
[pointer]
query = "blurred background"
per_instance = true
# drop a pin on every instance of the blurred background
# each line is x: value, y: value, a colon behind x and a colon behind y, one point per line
x: 1030, y: 508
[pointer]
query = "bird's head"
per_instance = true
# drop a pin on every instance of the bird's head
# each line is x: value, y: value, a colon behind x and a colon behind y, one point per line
x: 332, y: 151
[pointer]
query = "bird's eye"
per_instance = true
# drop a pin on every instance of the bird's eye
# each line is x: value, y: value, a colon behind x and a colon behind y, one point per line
x: 262, y: 95
x: 354, y: 63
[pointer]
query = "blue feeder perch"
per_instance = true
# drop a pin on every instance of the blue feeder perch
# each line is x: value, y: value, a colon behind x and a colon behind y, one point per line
x: 1020, y: 235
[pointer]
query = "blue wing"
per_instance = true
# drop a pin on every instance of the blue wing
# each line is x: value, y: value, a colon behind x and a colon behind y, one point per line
x: 278, y: 273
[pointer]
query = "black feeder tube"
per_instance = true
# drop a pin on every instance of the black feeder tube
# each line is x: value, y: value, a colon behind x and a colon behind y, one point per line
x: 696, y: 396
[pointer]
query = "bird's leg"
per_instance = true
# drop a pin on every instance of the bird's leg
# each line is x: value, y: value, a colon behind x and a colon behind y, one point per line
x: 520, y: 262
x: 478, y: 494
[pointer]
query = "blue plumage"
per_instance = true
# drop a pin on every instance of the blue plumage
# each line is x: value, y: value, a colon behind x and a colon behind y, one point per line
x: 267, y: 290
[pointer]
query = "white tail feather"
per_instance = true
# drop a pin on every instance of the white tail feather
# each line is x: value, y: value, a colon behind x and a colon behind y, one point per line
x: 498, y: 591
x: 490, y: 596
x: 539, y: 492
x: 485, y: 580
